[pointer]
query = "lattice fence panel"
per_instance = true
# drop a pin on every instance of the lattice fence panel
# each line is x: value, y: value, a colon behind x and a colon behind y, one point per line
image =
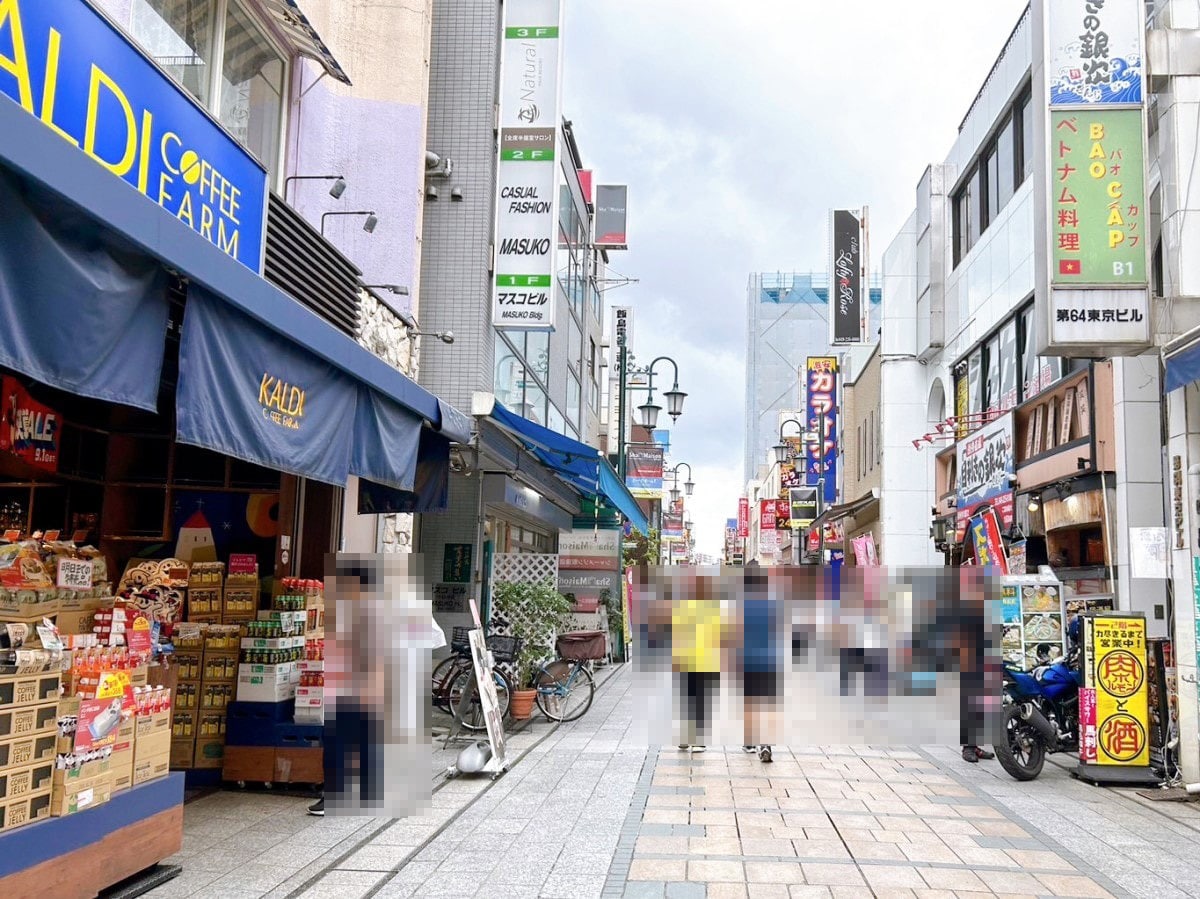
x: 522, y: 568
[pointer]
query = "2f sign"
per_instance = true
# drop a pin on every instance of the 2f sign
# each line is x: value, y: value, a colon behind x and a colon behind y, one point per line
x: 75, y: 574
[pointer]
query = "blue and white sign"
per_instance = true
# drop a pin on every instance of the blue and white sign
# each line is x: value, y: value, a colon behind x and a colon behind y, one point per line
x: 67, y: 65
x: 1095, y: 52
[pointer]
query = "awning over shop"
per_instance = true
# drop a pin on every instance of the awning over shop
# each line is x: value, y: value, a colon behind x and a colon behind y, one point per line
x: 83, y: 308
x: 1183, y: 365
x: 846, y: 510
x: 578, y: 464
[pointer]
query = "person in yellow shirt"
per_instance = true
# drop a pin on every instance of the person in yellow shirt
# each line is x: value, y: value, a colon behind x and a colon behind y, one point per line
x: 697, y: 639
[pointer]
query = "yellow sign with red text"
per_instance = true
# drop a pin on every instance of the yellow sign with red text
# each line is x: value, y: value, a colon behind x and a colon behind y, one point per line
x: 1117, y: 673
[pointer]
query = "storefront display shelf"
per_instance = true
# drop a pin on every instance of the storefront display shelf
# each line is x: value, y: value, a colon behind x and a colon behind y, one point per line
x: 80, y: 854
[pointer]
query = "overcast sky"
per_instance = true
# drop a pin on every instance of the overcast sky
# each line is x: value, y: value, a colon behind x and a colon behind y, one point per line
x: 737, y: 127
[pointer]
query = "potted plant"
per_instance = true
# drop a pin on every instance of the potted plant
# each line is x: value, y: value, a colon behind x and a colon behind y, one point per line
x: 616, y: 620
x: 535, y: 612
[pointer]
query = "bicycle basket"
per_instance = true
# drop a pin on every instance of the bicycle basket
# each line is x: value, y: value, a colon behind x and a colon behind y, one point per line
x: 581, y: 646
x: 459, y: 641
x: 504, y: 649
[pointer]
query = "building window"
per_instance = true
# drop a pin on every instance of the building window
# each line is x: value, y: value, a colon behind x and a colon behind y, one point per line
x: 178, y: 35
x: 991, y: 361
x: 990, y: 193
x: 243, y: 90
x: 1025, y: 118
x: 871, y: 433
x: 252, y: 82
x: 1008, y: 365
x: 1006, y: 165
x: 975, y: 387
x: 573, y: 399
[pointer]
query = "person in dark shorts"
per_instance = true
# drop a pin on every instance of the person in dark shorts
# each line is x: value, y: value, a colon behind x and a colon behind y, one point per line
x: 970, y: 639
x: 758, y: 639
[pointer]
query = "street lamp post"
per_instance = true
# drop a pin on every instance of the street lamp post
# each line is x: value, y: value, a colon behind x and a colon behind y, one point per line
x: 649, y: 409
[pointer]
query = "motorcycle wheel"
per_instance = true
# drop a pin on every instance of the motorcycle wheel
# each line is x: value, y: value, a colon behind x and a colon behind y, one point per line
x: 1021, y: 753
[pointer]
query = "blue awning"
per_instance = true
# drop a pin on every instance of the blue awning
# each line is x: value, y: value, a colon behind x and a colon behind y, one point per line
x: 578, y: 464
x: 35, y: 152
x: 1182, y: 368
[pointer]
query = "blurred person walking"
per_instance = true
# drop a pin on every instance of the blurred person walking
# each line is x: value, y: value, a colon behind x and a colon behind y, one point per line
x: 758, y: 636
x: 697, y: 639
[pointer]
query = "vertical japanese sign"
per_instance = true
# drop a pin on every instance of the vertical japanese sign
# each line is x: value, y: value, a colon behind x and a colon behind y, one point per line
x: 523, y: 294
x: 1115, y: 670
x: 1094, y: 287
x: 820, y: 452
x: 847, y: 304
x: 1099, y: 215
x: 743, y: 519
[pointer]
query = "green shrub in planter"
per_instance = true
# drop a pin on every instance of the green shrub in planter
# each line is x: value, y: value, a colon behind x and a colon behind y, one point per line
x: 537, y: 612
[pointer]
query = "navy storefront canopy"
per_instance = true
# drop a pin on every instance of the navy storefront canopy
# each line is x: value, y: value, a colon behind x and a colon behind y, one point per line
x: 84, y: 308
x: 578, y: 464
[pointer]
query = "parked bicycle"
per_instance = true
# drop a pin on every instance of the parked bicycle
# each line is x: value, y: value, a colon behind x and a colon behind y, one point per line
x: 453, y: 677
x: 565, y: 687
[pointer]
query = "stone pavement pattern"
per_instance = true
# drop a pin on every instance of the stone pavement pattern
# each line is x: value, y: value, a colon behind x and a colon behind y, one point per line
x: 590, y: 813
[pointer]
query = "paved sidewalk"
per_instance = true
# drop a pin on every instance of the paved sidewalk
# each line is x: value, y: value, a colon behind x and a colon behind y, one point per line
x: 590, y: 813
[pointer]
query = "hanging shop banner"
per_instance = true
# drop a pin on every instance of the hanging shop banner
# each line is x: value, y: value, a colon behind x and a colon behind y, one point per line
x: 859, y: 544
x: 78, y: 311
x: 847, y: 304
x: 644, y: 471
x: 821, y: 397
x: 527, y: 171
x: 65, y: 63
x: 791, y: 472
x: 766, y: 515
x: 672, y: 526
x: 250, y: 393
x: 1094, y: 52
x: 1117, y: 726
x: 30, y: 430
x: 612, y: 212
x: 986, y: 468
x: 663, y: 438
x: 987, y: 543
x: 804, y: 506
x: 783, y: 514
x: 1016, y: 557
x: 743, y: 519
x: 590, y: 549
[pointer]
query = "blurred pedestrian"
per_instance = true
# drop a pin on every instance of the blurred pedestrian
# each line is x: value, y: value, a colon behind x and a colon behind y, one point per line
x: 697, y: 637
x: 758, y: 637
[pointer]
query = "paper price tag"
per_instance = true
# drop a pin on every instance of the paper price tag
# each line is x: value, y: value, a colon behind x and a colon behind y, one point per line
x: 75, y: 574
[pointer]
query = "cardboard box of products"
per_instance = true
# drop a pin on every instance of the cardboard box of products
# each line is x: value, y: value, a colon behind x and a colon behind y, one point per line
x: 146, y: 770
x: 86, y: 771
x: 78, y: 795
x: 121, y: 764
x: 20, y: 690
x: 18, y: 782
x: 152, y: 724
x: 80, y: 622
x: 150, y: 744
x: 29, y: 721
x: 183, y: 753
x: 27, y: 750
x: 24, y: 810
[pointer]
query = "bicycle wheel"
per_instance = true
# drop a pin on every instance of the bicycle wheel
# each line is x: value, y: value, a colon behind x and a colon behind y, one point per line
x: 564, y: 690
x: 472, y: 716
x: 441, y: 680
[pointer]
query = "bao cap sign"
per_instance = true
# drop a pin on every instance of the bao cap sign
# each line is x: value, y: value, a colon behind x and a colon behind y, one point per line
x: 67, y: 65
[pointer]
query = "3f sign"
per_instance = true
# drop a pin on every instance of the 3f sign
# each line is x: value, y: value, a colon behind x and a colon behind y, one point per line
x: 524, y: 31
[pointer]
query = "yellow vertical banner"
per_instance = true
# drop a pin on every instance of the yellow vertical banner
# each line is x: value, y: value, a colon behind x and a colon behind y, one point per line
x: 1116, y: 671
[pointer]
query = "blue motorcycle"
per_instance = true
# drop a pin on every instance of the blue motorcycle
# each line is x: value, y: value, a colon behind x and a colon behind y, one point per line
x: 1040, y: 711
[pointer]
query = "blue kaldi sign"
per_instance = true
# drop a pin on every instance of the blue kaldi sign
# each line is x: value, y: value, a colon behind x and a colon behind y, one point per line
x: 65, y: 64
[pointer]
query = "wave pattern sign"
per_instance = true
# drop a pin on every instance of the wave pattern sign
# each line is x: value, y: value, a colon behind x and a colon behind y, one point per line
x: 1095, y: 54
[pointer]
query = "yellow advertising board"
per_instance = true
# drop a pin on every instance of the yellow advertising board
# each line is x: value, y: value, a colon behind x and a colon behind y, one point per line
x: 1114, y: 706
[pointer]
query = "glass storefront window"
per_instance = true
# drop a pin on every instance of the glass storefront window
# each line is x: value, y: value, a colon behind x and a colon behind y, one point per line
x: 1030, y: 373
x: 178, y: 35
x: 555, y: 421
x: 509, y: 382
x: 537, y: 351
x: 535, y: 403
x: 974, y: 383
x: 252, y: 88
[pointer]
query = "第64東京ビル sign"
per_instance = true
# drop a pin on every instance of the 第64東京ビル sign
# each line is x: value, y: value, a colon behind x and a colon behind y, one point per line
x: 65, y: 64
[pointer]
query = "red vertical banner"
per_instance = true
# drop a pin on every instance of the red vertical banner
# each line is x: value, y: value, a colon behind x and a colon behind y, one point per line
x: 743, y: 519
x: 766, y: 515
x: 1087, y: 725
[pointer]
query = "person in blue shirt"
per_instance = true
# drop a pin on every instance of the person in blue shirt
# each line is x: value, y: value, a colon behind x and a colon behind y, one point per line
x: 759, y: 659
